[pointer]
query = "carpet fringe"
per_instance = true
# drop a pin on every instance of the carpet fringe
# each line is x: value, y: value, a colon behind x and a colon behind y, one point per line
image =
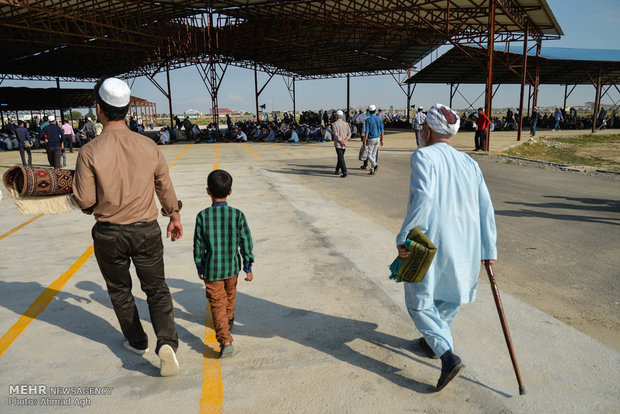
x: 32, y: 206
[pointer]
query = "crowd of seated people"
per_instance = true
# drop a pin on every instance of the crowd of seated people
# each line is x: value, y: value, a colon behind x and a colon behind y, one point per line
x: 398, y: 120
x: 311, y: 126
x: 316, y: 126
x: 272, y: 131
x: 570, y: 120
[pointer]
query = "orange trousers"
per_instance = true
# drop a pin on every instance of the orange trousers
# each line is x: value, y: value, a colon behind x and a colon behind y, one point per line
x: 222, y: 295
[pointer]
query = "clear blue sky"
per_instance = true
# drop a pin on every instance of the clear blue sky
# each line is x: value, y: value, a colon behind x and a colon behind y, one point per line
x: 591, y: 24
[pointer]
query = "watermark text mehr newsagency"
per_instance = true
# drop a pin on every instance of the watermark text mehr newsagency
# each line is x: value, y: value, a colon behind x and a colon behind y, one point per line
x: 41, y: 389
x: 45, y: 395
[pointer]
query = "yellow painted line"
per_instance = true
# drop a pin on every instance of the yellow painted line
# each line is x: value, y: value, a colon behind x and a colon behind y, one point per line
x: 174, y: 161
x: 212, y: 395
x: 13, y: 230
x: 41, y: 302
x: 250, y: 149
x: 284, y: 149
x: 51, y: 291
x: 216, y: 165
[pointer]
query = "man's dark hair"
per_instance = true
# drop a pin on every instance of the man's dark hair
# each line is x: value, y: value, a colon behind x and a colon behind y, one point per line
x: 480, y: 109
x: 219, y: 183
x: 113, y: 113
x: 20, y: 122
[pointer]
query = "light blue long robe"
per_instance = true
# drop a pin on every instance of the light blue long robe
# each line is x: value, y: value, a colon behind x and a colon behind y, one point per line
x: 450, y: 203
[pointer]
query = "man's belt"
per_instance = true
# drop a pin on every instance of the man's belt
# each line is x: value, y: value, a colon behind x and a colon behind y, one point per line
x: 137, y: 223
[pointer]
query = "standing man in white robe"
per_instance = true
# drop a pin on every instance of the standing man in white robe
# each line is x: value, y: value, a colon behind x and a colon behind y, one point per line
x: 450, y: 203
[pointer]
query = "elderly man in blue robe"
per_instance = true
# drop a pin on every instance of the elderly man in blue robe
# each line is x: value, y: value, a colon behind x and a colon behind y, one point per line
x: 450, y: 203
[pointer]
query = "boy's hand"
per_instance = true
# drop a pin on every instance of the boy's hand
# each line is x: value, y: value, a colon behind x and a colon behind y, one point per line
x: 249, y: 277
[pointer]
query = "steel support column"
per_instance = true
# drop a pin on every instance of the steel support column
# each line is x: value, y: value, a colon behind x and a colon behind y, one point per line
x: 348, y: 115
x: 294, y: 103
x: 537, y: 74
x: 453, y: 91
x: 489, y: 86
x: 215, y: 111
x: 169, y: 96
x: 62, y: 113
x: 256, y: 93
x: 565, y: 96
x: 597, y: 101
x: 290, y: 86
x: 523, y: 78
x: 409, y: 94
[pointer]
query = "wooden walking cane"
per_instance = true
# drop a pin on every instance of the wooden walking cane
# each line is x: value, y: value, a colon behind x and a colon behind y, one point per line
x: 502, y: 318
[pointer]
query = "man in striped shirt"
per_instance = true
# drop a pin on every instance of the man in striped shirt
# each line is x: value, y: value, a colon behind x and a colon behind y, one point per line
x: 222, y: 239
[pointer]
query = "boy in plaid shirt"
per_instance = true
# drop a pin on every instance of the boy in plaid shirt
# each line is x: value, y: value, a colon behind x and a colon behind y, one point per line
x: 221, y: 234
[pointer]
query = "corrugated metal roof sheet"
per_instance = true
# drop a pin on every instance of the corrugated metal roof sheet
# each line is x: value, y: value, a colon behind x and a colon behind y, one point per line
x: 559, y: 66
x: 304, y: 38
x: 595, y: 55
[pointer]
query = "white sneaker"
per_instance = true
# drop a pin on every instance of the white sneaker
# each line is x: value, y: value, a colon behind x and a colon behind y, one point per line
x: 134, y: 350
x: 169, y: 363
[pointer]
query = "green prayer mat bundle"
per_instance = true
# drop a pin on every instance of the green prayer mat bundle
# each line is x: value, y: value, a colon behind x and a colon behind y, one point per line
x: 414, y: 268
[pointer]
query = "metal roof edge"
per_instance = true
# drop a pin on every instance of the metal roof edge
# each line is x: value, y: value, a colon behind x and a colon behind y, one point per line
x: 551, y: 16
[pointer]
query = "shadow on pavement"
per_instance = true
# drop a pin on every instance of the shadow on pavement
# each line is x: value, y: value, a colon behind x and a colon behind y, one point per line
x: 595, y: 205
x: 318, y: 170
x: 75, y: 319
x: 592, y: 204
x: 100, y: 295
x: 325, y: 333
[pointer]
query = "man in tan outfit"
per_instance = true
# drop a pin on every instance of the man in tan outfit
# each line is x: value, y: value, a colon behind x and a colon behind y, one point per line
x: 342, y: 134
x: 116, y: 179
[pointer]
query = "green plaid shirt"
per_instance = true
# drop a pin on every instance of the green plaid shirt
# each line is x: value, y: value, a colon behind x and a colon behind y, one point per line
x: 221, y: 233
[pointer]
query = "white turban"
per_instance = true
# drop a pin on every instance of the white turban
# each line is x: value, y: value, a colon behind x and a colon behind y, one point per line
x: 443, y: 120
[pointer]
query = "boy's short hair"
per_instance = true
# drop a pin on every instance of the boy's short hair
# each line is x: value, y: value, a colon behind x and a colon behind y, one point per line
x: 219, y: 183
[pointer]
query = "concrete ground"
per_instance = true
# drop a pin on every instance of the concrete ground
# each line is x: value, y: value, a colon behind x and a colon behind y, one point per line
x: 321, y: 328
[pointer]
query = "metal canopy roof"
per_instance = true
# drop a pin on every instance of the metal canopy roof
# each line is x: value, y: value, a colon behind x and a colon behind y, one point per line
x: 21, y: 99
x: 75, y: 39
x: 18, y: 99
x: 593, y: 55
x: 456, y: 67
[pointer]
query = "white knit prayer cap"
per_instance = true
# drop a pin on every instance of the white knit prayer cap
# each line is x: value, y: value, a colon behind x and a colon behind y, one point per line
x: 51, y: 118
x: 443, y: 120
x: 115, y: 92
x: 372, y: 108
x: 340, y: 113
